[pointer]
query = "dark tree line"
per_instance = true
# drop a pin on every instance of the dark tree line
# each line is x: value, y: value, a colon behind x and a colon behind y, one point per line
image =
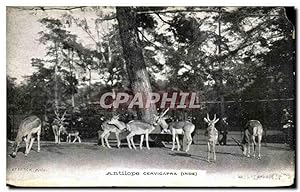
x: 223, y: 54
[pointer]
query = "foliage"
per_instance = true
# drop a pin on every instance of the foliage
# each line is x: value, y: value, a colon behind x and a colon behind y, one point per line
x: 241, y: 53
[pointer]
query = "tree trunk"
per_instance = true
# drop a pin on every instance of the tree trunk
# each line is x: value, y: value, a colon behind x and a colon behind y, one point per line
x: 71, y: 64
x: 55, y: 78
x: 221, y: 85
x: 135, y: 64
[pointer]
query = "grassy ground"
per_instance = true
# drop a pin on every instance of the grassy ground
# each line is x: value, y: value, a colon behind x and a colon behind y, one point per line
x: 87, y: 164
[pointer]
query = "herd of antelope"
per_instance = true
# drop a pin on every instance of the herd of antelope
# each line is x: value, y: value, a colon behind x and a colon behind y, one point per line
x: 31, y: 126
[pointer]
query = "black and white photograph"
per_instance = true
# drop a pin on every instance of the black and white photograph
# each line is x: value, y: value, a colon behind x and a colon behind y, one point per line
x: 140, y: 96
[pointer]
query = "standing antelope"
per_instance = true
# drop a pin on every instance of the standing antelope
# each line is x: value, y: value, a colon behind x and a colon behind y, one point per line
x: 135, y: 127
x: 212, y: 134
x: 58, y: 126
x: 108, y: 128
x: 176, y: 128
x: 27, y: 128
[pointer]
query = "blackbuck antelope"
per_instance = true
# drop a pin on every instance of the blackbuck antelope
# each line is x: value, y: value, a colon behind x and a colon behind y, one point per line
x: 27, y: 129
x: 176, y: 128
x: 58, y: 126
x: 135, y: 127
x: 253, y: 129
x: 212, y: 134
x: 74, y: 134
x: 109, y: 128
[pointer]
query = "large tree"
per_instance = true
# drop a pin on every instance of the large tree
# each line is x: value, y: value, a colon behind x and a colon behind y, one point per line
x: 133, y: 55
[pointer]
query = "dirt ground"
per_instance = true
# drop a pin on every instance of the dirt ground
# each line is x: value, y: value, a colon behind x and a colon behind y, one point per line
x: 87, y: 164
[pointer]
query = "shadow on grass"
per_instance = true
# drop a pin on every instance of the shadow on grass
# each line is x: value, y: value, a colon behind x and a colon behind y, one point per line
x: 197, y: 157
x: 232, y: 154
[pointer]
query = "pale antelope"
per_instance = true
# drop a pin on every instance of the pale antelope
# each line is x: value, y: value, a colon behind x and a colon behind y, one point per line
x: 74, y: 134
x: 253, y: 129
x: 27, y: 128
x: 108, y: 128
x: 135, y: 127
x: 58, y: 126
x: 212, y: 134
x: 176, y: 128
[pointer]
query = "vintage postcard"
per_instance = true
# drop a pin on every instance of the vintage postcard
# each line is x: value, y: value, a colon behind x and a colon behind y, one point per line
x: 150, y: 96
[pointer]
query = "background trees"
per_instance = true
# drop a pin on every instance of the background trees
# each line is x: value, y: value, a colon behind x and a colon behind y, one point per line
x: 224, y: 54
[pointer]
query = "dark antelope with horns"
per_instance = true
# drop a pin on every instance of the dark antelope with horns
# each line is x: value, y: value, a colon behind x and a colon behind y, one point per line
x: 176, y: 128
x: 109, y: 128
x: 135, y: 127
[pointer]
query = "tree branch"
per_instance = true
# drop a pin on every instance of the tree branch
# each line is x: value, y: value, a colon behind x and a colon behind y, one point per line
x: 202, y: 10
x: 50, y: 8
x: 147, y: 39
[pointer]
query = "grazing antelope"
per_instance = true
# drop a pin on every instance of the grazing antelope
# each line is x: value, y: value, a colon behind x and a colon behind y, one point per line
x: 212, y: 134
x: 108, y: 128
x: 58, y: 126
x: 27, y: 128
x: 135, y: 127
x: 73, y: 134
x: 253, y: 129
x: 176, y: 128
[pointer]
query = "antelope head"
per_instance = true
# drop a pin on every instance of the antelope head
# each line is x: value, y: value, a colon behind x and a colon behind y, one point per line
x: 61, y: 119
x: 211, y: 123
x: 115, y: 121
x: 160, y: 120
x: 157, y: 118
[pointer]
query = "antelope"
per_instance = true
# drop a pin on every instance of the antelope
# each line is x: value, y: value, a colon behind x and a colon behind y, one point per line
x: 73, y: 134
x: 253, y: 129
x: 27, y: 128
x: 212, y: 134
x: 58, y: 126
x: 135, y: 127
x: 108, y: 128
x: 177, y: 128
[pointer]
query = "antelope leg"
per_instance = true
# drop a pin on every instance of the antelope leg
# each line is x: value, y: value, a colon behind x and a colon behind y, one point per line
x: 30, y: 145
x: 173, y: 139
x: 118, y: 139
x: 141, y: 141
x: 26, y: 139
x: 128, y: 140
x: 147, y: 141
x: 189, y: 142
x: 38, y: 140
x: 214, y: 151
x: 106, y: 140
x: 102, y: 138
x: 208, y: 151
x: 132, y: 142
x: 178, y: 144
x: 74, y: 140
x: 248, y: 149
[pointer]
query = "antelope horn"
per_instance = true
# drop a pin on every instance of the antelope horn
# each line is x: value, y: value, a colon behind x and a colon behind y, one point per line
x: 207, y: 115
x: 63, y: 116
x: 215, y: 117
x: 56, y: 113
x: 164, y: 112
